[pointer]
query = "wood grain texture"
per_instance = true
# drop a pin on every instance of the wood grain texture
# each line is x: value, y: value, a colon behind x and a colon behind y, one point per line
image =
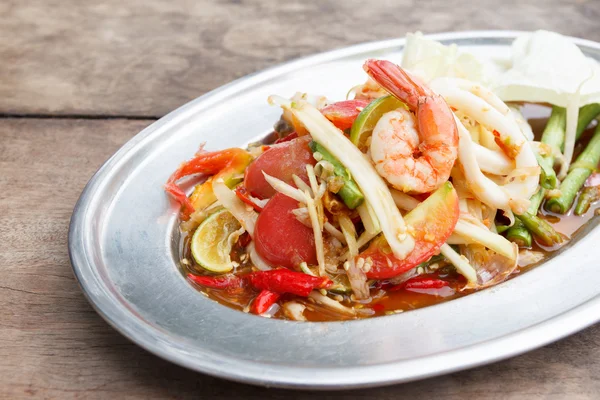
x: 147, y: 57
x: 54, y: 345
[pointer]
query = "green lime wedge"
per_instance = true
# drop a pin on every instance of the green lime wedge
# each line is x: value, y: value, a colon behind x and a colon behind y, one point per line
x: 210, y: 243
x: 363, y: 126
x: 341, y: 285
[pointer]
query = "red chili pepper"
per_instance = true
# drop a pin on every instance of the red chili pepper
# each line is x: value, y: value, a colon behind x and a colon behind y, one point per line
x: 286, y: 281
x: 223, y: 163
x: 287, y: 138
x: 264, y: 301
x: 216, y: 282
x: 420, y: 282
x: 242, y: 193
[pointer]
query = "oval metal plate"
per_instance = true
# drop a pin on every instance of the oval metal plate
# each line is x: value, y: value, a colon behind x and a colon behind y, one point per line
x: 123, y: 248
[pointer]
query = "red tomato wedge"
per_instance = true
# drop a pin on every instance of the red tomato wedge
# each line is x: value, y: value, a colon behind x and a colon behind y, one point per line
x: 433, y: 222
x: 343, y: 113
x: 280, y: 239
x: 280, y: 161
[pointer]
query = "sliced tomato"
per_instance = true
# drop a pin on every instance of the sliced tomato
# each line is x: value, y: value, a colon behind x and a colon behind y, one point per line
x: 343, y: 113
x: 280, y: 239
x: 432, y: 221
x: 280, y: 161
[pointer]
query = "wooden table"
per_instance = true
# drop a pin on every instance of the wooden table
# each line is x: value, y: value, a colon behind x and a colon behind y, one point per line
x: 77, y: 81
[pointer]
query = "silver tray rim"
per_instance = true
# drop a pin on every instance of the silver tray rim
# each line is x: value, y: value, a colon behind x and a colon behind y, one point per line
x: 153, y: 340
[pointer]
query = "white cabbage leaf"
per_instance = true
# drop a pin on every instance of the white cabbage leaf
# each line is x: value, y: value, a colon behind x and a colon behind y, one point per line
x: 548, y: 67
x: 429, y: 59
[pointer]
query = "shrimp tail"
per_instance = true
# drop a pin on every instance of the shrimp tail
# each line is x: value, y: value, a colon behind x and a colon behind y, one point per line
x: 397, y: 81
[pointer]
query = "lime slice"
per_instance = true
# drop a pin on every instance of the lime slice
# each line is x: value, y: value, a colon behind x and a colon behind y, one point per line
x: 210, y: 243
x: 341, y: 285
x: 363, y: 126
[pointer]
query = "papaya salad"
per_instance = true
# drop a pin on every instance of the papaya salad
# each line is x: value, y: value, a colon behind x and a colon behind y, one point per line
x: 437, y: 177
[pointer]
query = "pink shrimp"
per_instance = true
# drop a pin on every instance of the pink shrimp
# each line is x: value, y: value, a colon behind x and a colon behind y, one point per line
x: 413, y: 150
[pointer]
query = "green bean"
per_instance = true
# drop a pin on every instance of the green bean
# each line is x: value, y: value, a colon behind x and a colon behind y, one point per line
x: 515, y: 233
x: 548, y: 178
x: 519, y: 234
x: 586, y: 115
x: 580, y: 170
x: 554, y: 132
x: 553, y: 136
x: 501, y: 228
x: 536, y: 201
x: 588, y: 196
x: 544, y: 232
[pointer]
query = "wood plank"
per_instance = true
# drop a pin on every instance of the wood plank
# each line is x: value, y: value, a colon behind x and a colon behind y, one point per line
x: 54, y: 345
x: 147, y: 57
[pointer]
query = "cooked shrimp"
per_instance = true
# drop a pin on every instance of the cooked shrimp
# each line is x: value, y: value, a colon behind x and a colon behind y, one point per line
x: 413, y: 150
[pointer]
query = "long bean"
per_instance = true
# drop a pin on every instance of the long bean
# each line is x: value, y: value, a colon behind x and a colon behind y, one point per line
x: 580, y: 170
x: 536, y: 201
x: 554, y: 137
x: 554, y: 132
x: 586, y: 114
x: 548, y: 179
x: 543, y: 232
x: 529, y: 222
x: 588, y: 196
x: 519, y: 234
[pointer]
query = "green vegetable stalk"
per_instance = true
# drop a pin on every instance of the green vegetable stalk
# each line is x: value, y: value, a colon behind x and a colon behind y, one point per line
x: 588, y: 196
x: 536, y: 201
x: 580, y: 170
x: 529, y: 223
x: 554, y: 132
x: 543, y: 232
x: 519, y: 234
x: 349, y: 192
x: 541, y: 229
x: 548, y: 179
x: 553, y: 136
x: 586, y: 115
